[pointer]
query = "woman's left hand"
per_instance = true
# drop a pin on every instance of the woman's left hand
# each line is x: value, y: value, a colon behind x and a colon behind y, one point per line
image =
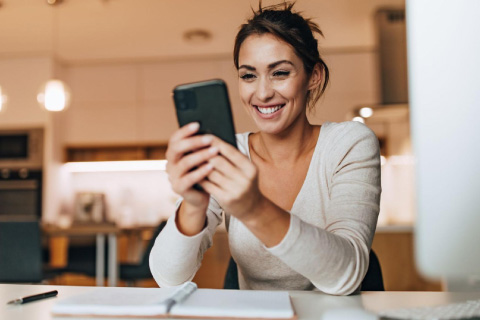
x: 233, y: 181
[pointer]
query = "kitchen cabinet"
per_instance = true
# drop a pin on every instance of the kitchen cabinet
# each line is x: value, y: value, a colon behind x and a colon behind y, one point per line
x: 394, y: 246
x: 141, y: 151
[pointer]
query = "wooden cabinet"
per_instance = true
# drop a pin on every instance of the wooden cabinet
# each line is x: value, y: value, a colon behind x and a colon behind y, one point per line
x: 153, y: 151
x: 395, y: 250
x: 214, y: 264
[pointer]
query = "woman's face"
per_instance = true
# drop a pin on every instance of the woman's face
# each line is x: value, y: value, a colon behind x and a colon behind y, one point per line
x: 273, y: 84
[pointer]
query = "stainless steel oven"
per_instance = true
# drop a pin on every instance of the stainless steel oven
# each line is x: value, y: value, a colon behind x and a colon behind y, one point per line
x: 21, y: 163
x: 20, y: 193
x: 21, y: 148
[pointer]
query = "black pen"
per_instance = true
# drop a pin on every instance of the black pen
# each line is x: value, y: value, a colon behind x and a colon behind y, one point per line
x: 34, y: 297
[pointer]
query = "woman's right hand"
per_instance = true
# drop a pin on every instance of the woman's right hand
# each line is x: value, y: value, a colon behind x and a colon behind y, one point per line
x: 187, y: 164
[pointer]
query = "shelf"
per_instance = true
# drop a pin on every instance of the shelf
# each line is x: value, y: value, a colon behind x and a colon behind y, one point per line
x: 126, y: 152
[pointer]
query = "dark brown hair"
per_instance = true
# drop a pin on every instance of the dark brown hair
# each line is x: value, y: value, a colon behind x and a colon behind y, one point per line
x: 281, y: 21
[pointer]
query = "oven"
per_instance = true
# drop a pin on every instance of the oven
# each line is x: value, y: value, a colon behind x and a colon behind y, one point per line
x: 21, y: 148
x: 20, y: 193
x: 21, y: 163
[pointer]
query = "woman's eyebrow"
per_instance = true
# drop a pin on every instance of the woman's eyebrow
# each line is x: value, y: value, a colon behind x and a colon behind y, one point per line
x: 274, y: 64
x: 245, y: 66
x: 270, y: 66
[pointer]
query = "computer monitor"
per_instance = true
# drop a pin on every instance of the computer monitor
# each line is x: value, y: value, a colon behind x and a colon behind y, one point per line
x: 443, y: 44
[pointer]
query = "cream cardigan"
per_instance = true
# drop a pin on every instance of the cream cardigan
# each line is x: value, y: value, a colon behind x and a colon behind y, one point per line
x: 332, y: 223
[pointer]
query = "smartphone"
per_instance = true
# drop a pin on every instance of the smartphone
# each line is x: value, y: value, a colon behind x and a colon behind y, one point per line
x: 207, y: 103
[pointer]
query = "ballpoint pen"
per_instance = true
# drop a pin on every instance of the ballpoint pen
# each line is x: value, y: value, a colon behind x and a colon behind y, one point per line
x: 34, y: 297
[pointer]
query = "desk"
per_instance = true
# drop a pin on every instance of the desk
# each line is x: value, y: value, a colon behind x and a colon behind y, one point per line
x: 308, y: 305
x: 99, y: 231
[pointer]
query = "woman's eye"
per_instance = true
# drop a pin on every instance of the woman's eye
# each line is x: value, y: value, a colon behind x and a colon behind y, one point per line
x: 281, y: 73
x: 247, y: 76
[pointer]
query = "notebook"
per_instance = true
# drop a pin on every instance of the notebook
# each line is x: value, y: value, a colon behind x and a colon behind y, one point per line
x: 177, y: 302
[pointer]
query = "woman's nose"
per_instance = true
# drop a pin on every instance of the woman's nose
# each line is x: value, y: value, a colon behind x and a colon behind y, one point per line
x: 264, y: 90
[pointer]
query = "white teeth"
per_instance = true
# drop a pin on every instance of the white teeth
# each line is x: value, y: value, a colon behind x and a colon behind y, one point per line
x: 269, y: 110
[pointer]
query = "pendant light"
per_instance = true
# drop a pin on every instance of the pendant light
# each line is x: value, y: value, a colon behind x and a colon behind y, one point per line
x: 3, y: 100
x: 54, y: 95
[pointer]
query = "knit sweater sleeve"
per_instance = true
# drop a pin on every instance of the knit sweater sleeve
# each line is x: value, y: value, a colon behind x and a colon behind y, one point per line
x: 335, y: 258
x: 175, y: 257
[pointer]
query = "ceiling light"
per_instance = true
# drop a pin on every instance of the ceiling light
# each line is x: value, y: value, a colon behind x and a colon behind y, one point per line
x: 366, y: 112
x: 197, y: 35
x: 3, y: 100
x: 359, y: 119
x: 54, y: 95
x: 54, y: 2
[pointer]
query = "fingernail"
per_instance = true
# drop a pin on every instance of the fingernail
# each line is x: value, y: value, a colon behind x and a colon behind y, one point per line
x: 213, y: 150
x: 208, y: 166
x: 207, y: 139
x: 194, y: 126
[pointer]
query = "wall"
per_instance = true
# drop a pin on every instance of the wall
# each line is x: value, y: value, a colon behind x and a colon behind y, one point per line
x: 20, y: 79
x: 131, y: 102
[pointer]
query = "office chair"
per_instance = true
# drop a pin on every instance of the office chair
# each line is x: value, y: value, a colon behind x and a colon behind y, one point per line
x: 140, y: 271
x: 373, y: 280
x: 21, y: 253
x: 82, y: 260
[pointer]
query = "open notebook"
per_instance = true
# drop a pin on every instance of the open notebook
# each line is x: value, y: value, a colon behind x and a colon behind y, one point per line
x: 182, y: 301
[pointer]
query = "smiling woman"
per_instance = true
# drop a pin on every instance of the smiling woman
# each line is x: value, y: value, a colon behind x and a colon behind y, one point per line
x: 301, y: 201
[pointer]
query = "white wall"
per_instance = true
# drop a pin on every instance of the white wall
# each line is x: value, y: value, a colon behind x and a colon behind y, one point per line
x: 20, y: 79
x: 132, y: 102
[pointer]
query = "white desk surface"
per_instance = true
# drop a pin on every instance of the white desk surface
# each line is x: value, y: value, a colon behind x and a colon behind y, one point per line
x: 308, y: 305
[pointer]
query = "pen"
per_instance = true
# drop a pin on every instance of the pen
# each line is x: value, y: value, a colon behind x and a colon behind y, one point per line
x: 34, y: 297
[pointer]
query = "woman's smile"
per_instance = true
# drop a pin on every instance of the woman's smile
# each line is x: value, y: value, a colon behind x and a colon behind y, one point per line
x: 269, y: 111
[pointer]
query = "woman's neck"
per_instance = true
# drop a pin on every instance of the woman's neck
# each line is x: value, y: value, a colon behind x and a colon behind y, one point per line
x: 288, y: 146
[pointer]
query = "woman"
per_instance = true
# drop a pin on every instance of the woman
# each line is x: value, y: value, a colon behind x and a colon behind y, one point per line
x: 302, y: 200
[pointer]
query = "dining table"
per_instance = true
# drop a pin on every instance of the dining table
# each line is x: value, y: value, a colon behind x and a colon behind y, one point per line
x: 101, y: 232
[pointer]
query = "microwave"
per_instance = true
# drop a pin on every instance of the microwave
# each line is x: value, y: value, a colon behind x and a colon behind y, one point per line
x: 21, y: 148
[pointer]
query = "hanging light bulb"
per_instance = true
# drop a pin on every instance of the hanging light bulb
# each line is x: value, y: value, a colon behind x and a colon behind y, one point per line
x: 359, y: 119
x: 366, y: 112
x: 54, y: 95
x: 3, y: 100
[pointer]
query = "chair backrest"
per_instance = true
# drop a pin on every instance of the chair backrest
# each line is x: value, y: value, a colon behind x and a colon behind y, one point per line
x: 146, y: 254
x: 20, y: 251
x: 373, y: 280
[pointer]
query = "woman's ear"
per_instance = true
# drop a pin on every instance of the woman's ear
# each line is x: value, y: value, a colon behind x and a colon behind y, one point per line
x: 315, y: 77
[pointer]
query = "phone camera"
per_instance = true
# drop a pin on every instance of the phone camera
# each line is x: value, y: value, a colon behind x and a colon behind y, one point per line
x: 185, y: 100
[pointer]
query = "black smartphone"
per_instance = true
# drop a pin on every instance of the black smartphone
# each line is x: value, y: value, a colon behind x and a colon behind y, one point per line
x: 207, y: 103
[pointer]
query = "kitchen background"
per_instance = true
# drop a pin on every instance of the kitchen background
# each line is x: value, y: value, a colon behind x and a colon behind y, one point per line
x: 121, y: 59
